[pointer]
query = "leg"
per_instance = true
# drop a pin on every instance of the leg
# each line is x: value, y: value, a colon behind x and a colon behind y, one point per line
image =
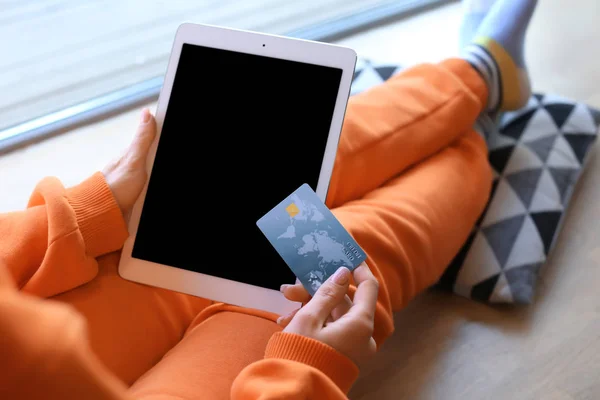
x: 131, y: 326
x: 412, y: 227
x: 421, y: 111
x: 497, y: 49
x: 221, y: 342
x: 407, y: 119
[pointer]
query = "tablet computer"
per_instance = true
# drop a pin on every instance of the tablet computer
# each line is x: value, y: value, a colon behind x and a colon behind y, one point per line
x: 243, y: 120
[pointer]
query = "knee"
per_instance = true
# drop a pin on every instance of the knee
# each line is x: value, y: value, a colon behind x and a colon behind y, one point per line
x: 476, y: 172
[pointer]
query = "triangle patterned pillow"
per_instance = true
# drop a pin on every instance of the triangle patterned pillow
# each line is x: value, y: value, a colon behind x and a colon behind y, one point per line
x: 537, y: 155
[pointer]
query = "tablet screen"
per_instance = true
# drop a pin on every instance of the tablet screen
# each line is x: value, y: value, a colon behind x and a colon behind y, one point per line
x: 241, y: 132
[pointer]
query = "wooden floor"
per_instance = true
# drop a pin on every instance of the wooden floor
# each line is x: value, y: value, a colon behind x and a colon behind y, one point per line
x: 57, y: 53
x: 446, y: 347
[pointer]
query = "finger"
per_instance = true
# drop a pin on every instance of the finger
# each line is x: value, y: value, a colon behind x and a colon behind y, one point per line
x: 342, y: 308
x: 285, y: 320
x: 295, y: 293
x: 145, y: 134
x: 330, y: 295
x: 367, y: 288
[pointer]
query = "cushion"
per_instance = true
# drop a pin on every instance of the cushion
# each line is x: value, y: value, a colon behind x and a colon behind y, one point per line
x: 537, y: 155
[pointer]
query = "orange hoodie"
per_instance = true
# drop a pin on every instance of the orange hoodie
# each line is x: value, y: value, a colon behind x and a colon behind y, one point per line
x: 51, y: 248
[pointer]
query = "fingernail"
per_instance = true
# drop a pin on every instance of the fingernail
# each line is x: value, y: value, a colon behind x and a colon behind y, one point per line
x: 341, y: 276
x: 284, y: 317
x: 284, y: 287
x: 145, y: 116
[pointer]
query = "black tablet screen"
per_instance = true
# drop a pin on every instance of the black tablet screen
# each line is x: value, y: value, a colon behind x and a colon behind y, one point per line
x: 241, y: 132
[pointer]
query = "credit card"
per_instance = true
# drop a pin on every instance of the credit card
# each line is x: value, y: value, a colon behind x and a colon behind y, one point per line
x: 309, y: 238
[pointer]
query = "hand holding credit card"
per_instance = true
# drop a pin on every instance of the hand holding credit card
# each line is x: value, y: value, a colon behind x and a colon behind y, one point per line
x: 309, y: 238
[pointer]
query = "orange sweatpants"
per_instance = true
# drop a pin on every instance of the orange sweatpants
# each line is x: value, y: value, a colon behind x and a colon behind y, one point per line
x: 410, y: 180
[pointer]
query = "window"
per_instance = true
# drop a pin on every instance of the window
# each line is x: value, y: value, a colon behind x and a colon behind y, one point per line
x: 64, y: 61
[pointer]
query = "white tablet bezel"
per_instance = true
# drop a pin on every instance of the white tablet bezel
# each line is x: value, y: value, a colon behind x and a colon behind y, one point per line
x: 208, y: 286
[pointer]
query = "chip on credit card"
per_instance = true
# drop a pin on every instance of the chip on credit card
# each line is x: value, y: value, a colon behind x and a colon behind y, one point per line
x: 309, y: 238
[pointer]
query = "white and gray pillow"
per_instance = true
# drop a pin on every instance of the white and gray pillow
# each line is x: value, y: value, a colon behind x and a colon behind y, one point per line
x: 537, y: 154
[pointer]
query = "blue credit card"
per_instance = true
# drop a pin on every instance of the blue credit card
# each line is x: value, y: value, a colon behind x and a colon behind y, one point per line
x: 309, y: 238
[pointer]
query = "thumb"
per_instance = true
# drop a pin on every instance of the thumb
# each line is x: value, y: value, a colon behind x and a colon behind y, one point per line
x: 330, y: 294
x: 145, y: 134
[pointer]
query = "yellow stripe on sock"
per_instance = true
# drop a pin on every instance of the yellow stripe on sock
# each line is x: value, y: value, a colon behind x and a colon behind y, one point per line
x: 515, y: 81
